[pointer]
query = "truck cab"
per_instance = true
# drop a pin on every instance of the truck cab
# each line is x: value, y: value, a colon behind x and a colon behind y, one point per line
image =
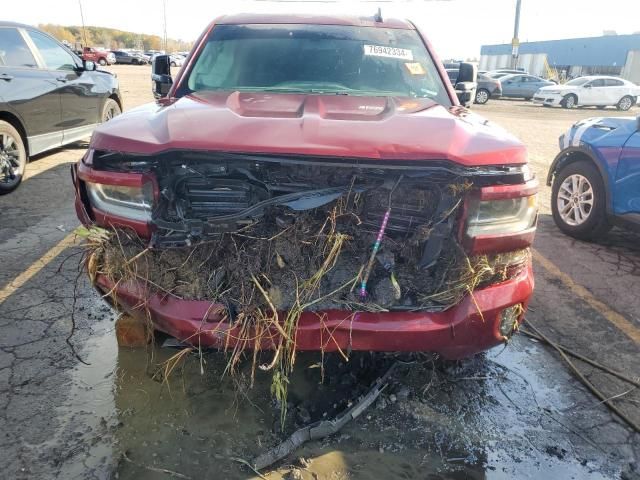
x: 98, y: 56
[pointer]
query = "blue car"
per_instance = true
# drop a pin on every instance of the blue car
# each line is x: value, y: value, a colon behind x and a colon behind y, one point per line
x: 522, y: 86
x: 596, y: 177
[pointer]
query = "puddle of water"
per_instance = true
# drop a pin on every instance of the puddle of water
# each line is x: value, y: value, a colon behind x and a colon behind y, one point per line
x: 505, y: 419
x: 84, y: 435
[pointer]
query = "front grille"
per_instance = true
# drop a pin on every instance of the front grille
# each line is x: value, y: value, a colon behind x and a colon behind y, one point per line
x: 410, y: 206
x: 203, y: 197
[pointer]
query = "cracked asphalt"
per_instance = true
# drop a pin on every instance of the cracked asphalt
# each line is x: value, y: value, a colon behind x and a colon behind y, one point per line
x: 96, y: 411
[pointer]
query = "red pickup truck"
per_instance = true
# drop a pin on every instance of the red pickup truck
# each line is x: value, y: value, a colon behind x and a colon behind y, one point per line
x: 312, y: 182
x: 102, y: 57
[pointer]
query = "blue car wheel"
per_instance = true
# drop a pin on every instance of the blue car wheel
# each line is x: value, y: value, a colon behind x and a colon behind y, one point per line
x: 578, y: 201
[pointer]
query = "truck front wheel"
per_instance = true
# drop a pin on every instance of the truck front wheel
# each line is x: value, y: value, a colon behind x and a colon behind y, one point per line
x: 102, y: 62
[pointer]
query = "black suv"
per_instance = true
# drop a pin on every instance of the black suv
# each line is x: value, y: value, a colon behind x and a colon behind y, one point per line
x: 49, y: 97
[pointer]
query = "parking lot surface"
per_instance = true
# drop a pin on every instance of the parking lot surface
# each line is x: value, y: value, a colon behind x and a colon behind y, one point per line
x: 74, y: 405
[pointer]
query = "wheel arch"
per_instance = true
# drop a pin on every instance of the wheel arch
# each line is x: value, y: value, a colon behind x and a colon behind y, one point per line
x: 16, y: 123
x: 634, y: 99
x: 578, y: 154
x: 118, y: 100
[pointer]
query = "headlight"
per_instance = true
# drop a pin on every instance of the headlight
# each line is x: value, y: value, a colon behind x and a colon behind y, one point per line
x: 502, y: 217
x: 134, y: 203
x: 552, y: 92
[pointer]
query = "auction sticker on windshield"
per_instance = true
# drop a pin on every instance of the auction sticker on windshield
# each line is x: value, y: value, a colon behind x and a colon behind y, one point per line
x: 389, y: 52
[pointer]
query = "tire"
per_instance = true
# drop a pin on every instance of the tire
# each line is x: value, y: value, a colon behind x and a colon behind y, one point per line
x: 110, y: 109
x: 134, y: 61
x: 572, y: 218
x: 102, y: 62
x: 625, y: 103
x: 482, y: 96
x: 569, y: 101
x: 601, y: 107
x: 528, y: 99
x: 13, y: 158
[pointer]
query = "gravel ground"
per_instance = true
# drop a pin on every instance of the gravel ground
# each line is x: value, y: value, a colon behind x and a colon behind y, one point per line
x: 516, y: 412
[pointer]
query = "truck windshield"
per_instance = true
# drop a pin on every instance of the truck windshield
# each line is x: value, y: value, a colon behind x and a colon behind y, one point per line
x: 321, y: 59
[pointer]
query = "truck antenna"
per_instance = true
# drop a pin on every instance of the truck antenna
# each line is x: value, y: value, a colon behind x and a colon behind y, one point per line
x: 378, y: 16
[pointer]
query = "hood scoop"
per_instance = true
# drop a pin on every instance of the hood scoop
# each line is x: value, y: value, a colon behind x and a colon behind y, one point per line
x: 329, y: 107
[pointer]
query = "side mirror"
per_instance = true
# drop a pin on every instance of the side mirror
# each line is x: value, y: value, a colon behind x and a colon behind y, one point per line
x: 468, y: 73
x: 588, y: 85
x: 161, y: 75
x: 466, y: 92
x: 88, y: 65
x: 466, y: 84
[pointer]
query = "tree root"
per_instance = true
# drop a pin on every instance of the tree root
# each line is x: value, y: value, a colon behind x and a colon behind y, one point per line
x: 322, y: 428
x: 155, y: 469
x: 586, y: 382
x: 604, y: 368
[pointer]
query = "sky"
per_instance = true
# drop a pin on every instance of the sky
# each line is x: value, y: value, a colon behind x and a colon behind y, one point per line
x: 456, y: 28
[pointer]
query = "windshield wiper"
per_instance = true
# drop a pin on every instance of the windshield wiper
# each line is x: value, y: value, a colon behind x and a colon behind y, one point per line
x: 318, y: 91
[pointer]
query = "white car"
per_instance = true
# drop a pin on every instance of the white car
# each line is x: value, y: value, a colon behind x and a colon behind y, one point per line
x: 176, y: 60
x: 598, y: 91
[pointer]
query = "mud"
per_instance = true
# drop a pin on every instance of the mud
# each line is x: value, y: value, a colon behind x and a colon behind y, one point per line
x: 323, y: 252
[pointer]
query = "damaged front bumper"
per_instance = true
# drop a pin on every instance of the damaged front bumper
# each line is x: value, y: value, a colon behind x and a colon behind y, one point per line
x: 351, y: 256
x: 472, y: 326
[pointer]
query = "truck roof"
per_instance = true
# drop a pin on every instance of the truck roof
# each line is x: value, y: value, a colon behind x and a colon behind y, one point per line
x: 254, y: 18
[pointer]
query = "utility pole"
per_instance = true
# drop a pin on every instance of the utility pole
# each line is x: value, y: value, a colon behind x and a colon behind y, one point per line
x: 84, y: 32
x: 164, y: 37
x: 515, y: 41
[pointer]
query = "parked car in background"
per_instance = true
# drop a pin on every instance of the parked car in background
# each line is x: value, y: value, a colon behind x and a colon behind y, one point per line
x: 276, y: 122
x: 100, y: 56
x: 153, y: 53
x: 522, y: 86
x: 176, y: 60
x: 123, y: 57
x: 139, y: 53
x: 598, y: 91
x: 49, y: 97
x: 596, y: 177
x: 504, y: 72
x: 486, y: 87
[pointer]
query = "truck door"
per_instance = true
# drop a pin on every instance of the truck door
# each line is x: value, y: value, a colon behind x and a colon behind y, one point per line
x: 89, y: 54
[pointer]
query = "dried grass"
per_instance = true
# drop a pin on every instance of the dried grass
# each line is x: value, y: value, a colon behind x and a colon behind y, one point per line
x: 303, y: 255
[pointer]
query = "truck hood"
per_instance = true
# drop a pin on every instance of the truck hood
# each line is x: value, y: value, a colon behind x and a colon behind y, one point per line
x: 384, y: 128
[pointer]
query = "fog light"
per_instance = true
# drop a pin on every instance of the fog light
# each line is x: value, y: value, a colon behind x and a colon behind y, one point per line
x: 509, y: 320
